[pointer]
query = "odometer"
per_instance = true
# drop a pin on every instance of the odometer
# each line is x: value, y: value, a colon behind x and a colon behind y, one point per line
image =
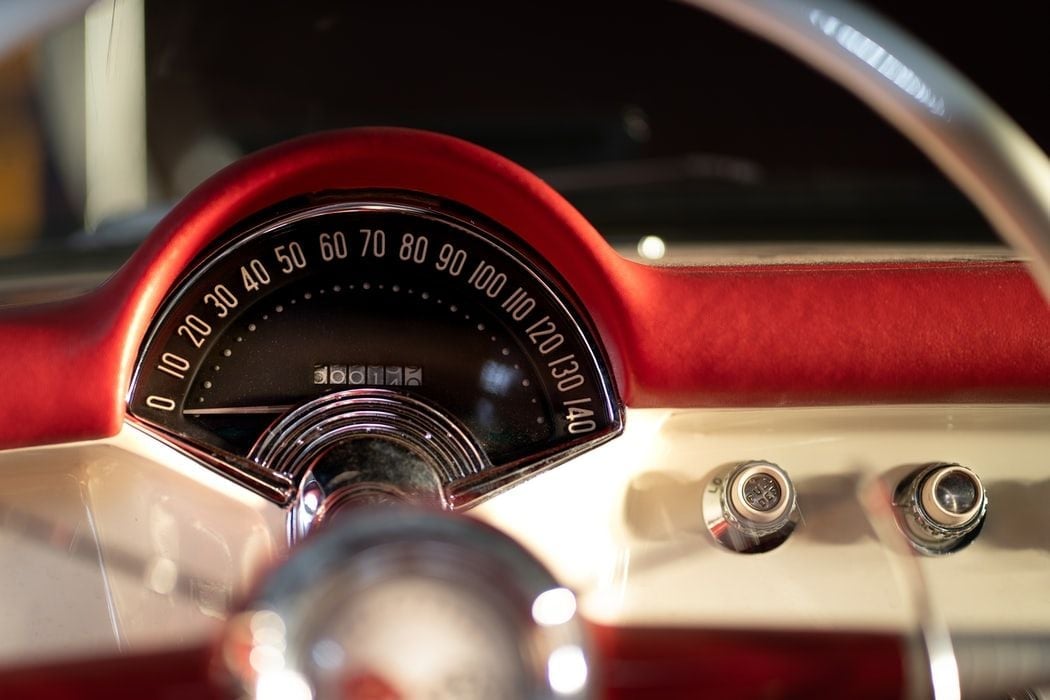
x: 380, y: 291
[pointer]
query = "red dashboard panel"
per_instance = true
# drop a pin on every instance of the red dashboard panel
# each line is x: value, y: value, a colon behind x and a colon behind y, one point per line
x: 720, y: 336
x: 185, y: 674
x: 674, y: 664
x: 635, y: 662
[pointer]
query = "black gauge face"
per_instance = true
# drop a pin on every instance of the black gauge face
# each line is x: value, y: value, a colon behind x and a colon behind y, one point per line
x: 383, y: 292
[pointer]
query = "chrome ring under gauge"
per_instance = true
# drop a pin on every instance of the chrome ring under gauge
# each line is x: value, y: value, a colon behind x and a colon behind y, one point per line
x: 388, y: 292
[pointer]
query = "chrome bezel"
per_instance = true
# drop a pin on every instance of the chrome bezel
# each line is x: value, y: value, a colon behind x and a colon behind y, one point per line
x: 472, y: 488
x: 425, y: 436
x: 925, y: 534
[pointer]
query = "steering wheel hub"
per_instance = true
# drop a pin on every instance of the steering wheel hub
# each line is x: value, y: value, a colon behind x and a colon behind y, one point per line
x: 398, y: 602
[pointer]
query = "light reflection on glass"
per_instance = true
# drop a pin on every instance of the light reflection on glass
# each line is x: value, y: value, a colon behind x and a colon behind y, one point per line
x: 567, y: 670
x: 872, y: 53
x: 312, y: 498
x: 554, y: 607
x: 497, y: 378
x: 162, y: 575
x: 328, y: 654
x: 267, y: 659
x: 267, y: 629
x: 282, y: 685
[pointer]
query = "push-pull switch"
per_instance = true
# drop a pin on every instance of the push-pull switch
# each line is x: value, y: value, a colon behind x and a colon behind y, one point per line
x: 751, y: 507
x: 941, y: 507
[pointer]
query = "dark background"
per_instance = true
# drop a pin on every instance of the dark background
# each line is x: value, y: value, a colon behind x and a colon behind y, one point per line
x: 651, y: 117
x: 737, y: 140
x: 1003, y: 47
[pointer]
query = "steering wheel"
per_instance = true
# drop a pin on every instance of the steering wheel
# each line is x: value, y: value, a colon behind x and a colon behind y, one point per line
x: 626, y: 321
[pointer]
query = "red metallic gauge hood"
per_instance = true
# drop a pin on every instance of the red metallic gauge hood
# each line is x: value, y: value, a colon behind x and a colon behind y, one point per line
x: 677, y: 336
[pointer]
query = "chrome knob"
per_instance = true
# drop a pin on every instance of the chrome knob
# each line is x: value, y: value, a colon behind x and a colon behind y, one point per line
x: 941, y: 507
x: 751, y: 508
x: 759, y: 494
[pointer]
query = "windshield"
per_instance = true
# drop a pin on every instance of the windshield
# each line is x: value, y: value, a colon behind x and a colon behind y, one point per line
x: 654, y: 120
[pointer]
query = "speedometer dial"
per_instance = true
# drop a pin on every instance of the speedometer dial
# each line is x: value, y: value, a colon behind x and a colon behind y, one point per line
x: 381, y: 291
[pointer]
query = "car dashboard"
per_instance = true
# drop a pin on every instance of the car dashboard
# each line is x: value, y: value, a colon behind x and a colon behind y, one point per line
x: 376, y: 413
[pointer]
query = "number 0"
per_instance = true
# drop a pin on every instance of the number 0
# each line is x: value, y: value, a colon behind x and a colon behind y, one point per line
x: 161, y: 403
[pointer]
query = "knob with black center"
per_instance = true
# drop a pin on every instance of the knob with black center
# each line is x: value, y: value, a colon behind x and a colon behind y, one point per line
x: 941, y: 507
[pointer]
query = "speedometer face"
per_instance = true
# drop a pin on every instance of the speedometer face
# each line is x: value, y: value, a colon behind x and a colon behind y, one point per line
x: 382, y: 291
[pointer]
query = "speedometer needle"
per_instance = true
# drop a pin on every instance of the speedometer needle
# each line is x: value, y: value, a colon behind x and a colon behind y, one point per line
x: 233, y: 410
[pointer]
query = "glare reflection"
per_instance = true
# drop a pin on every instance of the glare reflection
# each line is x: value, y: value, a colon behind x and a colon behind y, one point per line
x: 567, y: 670
x: 497, y: 378
x: 267, y: 629
x: 312, y: 498
x: 872, y: 53
x: 162, y: 575
x: 328, y: 654
x: 273, y: 679
x: 554, y: 607
x: 282, y: 685
x: 652, y: 248
x: 944, y: 674
x: 266, y: 660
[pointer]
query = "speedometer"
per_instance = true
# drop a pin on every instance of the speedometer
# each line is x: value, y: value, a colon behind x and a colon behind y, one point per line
x: 374, y: 304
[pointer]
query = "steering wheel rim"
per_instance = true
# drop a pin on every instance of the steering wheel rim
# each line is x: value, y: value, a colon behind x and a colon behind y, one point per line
x: 973, y: 142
